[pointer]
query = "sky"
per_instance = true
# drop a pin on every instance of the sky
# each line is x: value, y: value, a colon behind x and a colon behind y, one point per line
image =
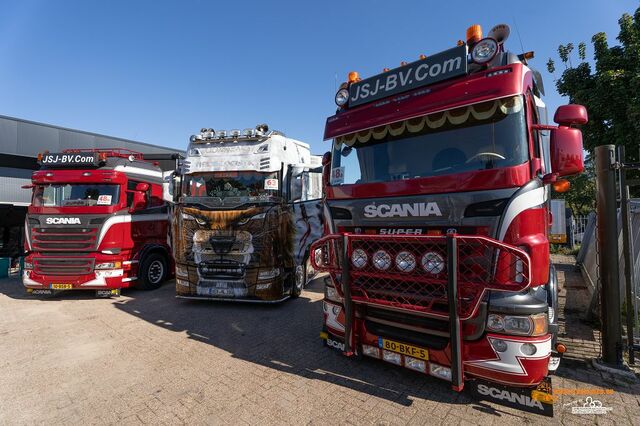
x: 158, y: 71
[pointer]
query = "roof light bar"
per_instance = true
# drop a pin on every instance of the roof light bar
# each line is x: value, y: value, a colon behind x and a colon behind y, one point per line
x: 207, y: 135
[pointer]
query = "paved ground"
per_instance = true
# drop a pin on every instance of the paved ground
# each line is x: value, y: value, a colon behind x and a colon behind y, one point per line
x: 148, y: 358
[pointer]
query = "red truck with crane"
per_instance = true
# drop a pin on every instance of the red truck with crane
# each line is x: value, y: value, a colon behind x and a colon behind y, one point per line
x: 97, y: 221
x: 437, y: 219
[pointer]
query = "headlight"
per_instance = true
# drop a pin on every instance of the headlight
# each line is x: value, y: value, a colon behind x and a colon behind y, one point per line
x: 27, y: 265
x: 517, y: 325
x: 268, y: 274
x: 182, y: 271
x: 381, y: 260
x: 532, y: 325
x: 495, y: 322
x: 405, y: 261
x: 330, y: 293
x: 342, y: 96
x: 359, y: 258
x: 108, y: 265
x: 484, y: 51
x: 432, y: 262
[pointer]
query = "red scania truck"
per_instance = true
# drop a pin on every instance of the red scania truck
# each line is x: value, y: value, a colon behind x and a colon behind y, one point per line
x: 437, y: 219
x: 97, y: 221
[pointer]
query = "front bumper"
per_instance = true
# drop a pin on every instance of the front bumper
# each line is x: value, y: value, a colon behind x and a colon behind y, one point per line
x: 97, y: 280
x: 192, y: 284
x: 481, y: 360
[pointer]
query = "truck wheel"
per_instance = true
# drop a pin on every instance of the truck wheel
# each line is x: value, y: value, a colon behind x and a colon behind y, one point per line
x: 299, y: 280
x: 153, y: 271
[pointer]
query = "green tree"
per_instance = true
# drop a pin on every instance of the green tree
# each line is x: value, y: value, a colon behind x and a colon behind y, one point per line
x: 581, y: 197
x: 610, y: 90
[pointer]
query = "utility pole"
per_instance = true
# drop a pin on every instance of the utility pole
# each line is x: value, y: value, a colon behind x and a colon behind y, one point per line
x: 607, y: 231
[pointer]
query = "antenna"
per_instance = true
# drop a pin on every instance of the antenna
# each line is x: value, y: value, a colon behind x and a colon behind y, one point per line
x: 515, y: 24
x: 335, y: 82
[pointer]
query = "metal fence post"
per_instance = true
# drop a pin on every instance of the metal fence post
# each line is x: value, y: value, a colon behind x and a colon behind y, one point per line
x: 607, y: 231
x: 627, y: 253
x: 457, y: 380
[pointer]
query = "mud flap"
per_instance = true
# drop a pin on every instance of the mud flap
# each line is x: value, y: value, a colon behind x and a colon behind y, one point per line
x: 538, y: 400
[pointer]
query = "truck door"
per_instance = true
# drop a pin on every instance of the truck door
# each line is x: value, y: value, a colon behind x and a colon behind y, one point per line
x: 305, y: 197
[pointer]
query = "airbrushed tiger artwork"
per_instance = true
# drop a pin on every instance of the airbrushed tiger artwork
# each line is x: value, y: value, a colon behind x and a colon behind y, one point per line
x: 248, y: 205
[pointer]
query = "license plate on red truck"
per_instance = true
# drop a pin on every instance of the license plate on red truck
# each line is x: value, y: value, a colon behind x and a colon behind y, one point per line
x: 403, y: 348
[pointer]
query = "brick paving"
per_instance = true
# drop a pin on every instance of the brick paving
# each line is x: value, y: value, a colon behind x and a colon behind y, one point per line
x: 147, y: 357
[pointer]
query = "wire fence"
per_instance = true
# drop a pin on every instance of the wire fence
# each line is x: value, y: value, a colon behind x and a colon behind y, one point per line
x: 578, y: 227
x: 588, y: 255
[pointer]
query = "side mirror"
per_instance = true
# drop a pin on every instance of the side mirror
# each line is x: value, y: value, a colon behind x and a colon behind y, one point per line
x: 296, y: 188
x: 139, y: 201
x: 326, y: 169
x: 566, y: 151
x: 296, y: 172
x: 142, y: 187
x: 568, y: 115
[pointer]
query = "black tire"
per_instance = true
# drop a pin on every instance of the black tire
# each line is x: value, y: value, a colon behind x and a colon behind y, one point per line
x: 152, y: 272
x: 299, y: 280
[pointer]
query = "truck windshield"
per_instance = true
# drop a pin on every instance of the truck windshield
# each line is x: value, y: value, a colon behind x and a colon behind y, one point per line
x: 231, y: 184
x: 73, y: 195
x: 482, y: 136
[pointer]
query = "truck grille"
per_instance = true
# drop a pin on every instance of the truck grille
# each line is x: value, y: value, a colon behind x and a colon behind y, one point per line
x: 65, y: 266
x: 64, y: 239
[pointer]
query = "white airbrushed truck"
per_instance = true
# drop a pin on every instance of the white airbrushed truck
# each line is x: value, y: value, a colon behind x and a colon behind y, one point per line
x: 247, y: 206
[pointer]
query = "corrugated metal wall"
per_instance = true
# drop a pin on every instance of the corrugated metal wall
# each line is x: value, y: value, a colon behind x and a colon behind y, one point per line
x: 26, y: 138
x: 11, y: 182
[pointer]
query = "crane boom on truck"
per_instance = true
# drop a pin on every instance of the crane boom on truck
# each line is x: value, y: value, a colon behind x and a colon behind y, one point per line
x: 97, y: 221
x: 437, y: 219
x: 247, y: 207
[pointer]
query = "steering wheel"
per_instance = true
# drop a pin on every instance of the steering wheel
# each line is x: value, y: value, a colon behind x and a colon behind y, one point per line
x: 483, y: 154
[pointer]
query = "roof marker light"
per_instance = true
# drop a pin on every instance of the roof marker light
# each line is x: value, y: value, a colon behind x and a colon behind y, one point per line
x: 354, y: 76
x: 474, y: 34
x: 499, y: 72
